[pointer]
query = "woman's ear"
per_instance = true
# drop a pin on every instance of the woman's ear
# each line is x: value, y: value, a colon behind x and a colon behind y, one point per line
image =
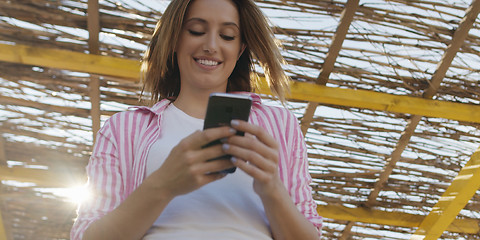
x: 242, y: 48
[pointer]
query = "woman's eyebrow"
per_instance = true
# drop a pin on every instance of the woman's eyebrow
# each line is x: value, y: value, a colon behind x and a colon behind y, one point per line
x: 205, y: 21
x: 231, y: 24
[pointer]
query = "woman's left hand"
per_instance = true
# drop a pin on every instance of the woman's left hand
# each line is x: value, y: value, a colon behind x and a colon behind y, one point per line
x: 256, y: 154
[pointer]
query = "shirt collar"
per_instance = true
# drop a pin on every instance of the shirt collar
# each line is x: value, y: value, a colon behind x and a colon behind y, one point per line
x: 162, y: 104
x: 156, y: 109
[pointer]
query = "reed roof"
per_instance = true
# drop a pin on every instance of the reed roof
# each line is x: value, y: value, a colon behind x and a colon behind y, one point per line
x: 387, y: 94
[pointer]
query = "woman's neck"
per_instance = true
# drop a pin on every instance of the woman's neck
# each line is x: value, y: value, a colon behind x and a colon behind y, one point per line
x: 193, y: 104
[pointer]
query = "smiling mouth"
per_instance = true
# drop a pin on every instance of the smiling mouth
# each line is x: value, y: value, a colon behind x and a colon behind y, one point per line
x: 207, y: 62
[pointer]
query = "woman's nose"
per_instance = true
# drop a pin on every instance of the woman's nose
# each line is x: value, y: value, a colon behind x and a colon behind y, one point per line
x: 211, y: 43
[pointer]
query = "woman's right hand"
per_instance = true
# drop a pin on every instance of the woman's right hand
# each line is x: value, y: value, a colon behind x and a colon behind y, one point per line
x: 187, y: 167
x: 184, y: 170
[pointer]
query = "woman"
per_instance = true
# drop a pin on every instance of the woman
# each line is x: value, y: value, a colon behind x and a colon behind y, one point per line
x: 148, y: 171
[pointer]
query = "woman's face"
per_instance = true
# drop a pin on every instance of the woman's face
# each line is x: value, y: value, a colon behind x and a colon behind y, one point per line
x: 209, y: 45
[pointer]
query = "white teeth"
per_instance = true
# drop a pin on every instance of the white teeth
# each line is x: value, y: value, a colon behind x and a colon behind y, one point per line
x: 207, y: 62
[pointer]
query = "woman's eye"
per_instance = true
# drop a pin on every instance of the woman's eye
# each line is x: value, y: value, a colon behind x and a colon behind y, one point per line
x: 227, y: 37
x: 195, y: 33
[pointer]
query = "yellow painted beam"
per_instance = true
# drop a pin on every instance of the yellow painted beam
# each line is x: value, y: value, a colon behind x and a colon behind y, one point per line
x: 457, y: 195
x: 69, y: 60
x: 382, y: 101
x: 129, y: 69
x: 372, y: 216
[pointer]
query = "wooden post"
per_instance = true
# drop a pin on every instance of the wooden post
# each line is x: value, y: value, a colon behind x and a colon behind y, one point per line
x: 3, y: 163
x: 94, y: 47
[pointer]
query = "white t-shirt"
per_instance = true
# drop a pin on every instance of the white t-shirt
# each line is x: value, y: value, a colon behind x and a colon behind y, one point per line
x: 224, y: 209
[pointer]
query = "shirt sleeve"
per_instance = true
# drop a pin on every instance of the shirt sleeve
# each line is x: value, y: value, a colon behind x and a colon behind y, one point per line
x: 104, y: 182
x: 300, y: 179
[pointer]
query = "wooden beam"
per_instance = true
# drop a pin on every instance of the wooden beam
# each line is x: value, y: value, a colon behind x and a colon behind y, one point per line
x: 129, y: 69
x: 79, y: 112
x: 93, y: 23
x: 307, y: 117
x: 457, y: 195
x: 40, y: 177
x: 337, y: 41
x: 391, y: 162
x: 457, y: 41
x: 3, y: 155
x: 69, y: 60
x: 3, y: 233
x: 347, y: 231
x: 372, y: 216
x: 442, y: 67
x: 331, y: 57
x: 381, y: 101
x: 3, y: 163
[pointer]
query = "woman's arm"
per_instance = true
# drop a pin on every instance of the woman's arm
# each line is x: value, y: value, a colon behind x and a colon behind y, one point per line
x: 133, y: 217
x: 257, y: 155
x: 183, y: 171
x: 286, y: 221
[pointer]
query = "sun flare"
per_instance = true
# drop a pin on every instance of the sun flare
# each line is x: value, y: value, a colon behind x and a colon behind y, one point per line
x: 76, y: 194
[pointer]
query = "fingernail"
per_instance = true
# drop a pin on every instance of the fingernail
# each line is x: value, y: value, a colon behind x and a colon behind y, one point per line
x: 225, y: 146
x: 233, y: 159
x: 232, y: 130
x: 235, y: 122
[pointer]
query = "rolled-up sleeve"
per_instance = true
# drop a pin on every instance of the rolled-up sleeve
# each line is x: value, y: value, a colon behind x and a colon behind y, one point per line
x: 104, y: 182
x: 300, y: 179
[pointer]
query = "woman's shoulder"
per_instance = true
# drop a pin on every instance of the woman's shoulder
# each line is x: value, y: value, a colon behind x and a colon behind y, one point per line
x: 258, y: 104
x: 141, y: 111
x: 274, y: 116
x: 273, y: 108
x: 134, y: 116
x: 121, y: 118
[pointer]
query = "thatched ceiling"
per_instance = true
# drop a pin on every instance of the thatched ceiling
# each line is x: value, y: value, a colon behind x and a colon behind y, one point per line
x: 392, y: 119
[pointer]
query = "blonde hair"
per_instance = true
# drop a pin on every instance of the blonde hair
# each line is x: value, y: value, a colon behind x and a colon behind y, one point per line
x: 160, y: 72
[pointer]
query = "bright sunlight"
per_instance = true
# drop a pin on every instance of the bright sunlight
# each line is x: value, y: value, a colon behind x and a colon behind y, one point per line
x: 76, y: 194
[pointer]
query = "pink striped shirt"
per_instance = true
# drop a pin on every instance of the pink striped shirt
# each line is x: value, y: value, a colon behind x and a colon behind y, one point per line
x: 118, y: 162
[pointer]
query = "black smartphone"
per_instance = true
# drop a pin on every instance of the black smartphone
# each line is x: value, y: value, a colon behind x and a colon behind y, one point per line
x: 221, y: 110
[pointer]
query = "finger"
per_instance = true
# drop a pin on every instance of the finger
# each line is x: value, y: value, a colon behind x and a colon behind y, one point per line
x: 252, y: 157
x: 201, y: 138
x: 212, y: 152
x: 214, y: 166
x: 193, y: 157
x: 251, y: 170
x: 203, y: 179
x: 256, y: 131
x: 208, y: 178
x: 253, y: 144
